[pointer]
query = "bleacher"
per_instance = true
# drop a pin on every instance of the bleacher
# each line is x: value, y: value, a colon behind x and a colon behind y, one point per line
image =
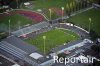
x: 17, y: 52
x: 12, y: 50
x: 31, y: 62
x: 17, y: 42
x: 30, y: 29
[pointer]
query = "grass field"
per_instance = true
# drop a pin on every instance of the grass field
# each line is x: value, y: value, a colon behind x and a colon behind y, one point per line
x: 45, y: 4
x: 54, y: 38
x: 19, y: 18
x: 82, y: 20
x: 15, y: 21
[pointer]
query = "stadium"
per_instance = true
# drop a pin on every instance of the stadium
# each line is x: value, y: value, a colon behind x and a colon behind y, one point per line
x: 33, y: 31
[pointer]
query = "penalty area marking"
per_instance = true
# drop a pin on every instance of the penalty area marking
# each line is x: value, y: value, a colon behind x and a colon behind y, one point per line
x: 66, y: 32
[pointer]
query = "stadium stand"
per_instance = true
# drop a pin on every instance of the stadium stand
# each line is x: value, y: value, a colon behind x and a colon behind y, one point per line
x: 30, y: 29
x: 19, y: 49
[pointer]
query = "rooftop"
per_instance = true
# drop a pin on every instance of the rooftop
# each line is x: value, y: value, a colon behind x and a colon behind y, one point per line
x: 35, y: 55
x: 17, y: 42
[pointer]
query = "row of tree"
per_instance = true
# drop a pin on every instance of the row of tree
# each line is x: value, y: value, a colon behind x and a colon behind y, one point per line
x: 77, y: 5
x: 12, y: 3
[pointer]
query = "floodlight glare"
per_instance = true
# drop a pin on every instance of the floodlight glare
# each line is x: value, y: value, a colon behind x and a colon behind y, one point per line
x: 44, y: 37
x: 62, y: 8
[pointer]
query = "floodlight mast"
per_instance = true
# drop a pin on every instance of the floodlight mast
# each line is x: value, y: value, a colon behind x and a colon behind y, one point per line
x: 62, y: 12
x: 90, y: 24
x: 50, y: 13
x: 44, y: 37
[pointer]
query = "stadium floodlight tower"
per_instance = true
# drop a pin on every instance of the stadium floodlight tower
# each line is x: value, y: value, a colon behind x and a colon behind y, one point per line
x: 44, y: 37
x: 62, y: 12
x: 50, y: 13
x: 90, y: 24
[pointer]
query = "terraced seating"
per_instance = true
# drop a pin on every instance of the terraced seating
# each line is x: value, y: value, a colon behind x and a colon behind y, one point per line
x: 16, y: 52
x: 30, y: 29
x: 12, y: 50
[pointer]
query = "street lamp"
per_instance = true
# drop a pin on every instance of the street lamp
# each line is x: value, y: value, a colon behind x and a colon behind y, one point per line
x: 89, y: 24
x: 62, y: 12
x: 9, y: 26
x: 44, y: 37
x: 50, y: 13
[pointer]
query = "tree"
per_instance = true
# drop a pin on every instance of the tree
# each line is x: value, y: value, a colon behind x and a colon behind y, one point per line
x: 93, y: 35
x: 96, y: 63
x: 71, y: 7
x: 96, y: 48
x: 74, y: 6
x: 3, y: 35
x: 67, y: 9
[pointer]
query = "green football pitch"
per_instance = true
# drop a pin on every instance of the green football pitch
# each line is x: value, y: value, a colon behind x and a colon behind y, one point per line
x: 16, y: 21
x: 53, y: 39
x: 82, y: 20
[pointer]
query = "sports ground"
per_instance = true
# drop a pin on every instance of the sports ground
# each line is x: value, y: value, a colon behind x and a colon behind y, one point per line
x: 21, y: 18
x: 54, y: 38
x: 45, y: 5
x: 82, y: 20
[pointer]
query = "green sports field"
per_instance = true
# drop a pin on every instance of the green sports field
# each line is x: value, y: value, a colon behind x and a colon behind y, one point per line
x: 45, y: 4
x: 82, y: 19
x: 53, y: 39
x: 16, y: 21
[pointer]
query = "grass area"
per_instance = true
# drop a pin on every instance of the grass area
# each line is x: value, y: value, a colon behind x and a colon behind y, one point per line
x: 51, y: 3
x: 82, y: 20
x: 54, y: 38
x: 3, y: 35
x: 15, y: 21
x: 45, y: 4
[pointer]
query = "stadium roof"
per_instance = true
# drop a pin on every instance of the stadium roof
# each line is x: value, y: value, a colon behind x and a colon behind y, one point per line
x: 15, y: 65
x: 30, y: 29
x: 17, y: 42
x: 71, y: 45
x: 66, y: 46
